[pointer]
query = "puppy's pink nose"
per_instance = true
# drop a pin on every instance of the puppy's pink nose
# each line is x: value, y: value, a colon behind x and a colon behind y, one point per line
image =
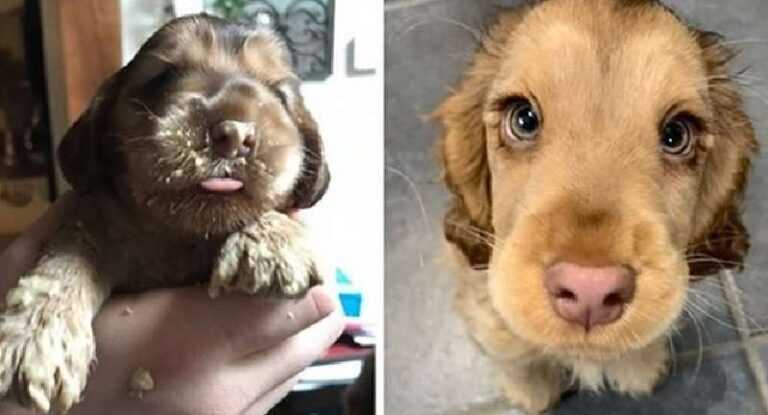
x: 589, y: 296
x: 232, y: 139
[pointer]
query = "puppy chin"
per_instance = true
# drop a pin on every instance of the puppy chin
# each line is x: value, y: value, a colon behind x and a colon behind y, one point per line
x: 205, y: 201
x: 520, y: 297
x: 210, y: 209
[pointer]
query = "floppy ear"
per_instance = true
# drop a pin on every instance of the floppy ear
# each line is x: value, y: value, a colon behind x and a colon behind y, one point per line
x: 315, y: 177
x: 81, y: 152
x: 462, y: 148
x: 462, y: 155
x: 725, y: 241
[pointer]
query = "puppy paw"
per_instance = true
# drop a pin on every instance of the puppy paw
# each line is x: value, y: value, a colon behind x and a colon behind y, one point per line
x: 44, y: 353
x: 271, y: 256
x: 637, y: 373
x: 534, y: 389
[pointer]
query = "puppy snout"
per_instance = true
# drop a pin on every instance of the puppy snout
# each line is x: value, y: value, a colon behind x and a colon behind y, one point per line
x: 589, y: 296
x: 231, y: 139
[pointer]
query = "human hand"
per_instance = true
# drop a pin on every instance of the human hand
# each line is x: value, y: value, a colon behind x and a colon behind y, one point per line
x: 237, y: 354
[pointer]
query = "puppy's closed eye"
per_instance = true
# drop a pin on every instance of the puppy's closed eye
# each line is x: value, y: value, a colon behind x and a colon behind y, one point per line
x: 188, y: 162
x: 151, y: 128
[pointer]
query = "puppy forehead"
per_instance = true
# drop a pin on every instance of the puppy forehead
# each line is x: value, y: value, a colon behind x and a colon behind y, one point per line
x: 604, y: 55
x: 217, y: 46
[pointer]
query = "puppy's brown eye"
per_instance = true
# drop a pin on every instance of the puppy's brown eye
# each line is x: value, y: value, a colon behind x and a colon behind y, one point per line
x: 677, y: 137
x: 521, y: 122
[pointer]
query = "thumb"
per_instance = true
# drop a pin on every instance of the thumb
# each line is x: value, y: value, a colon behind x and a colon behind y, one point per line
x: 233, y: 324
x: 255, y: 324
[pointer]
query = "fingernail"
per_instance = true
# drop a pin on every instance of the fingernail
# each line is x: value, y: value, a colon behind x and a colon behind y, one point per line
x: 323, y: 301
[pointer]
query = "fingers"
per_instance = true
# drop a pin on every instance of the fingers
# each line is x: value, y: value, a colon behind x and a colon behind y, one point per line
x: 264, y: 403
x: 225, y: 328
x: 21, y: 255
x: 292, y: 356
x: 251, y: 324
x: 178, y: 336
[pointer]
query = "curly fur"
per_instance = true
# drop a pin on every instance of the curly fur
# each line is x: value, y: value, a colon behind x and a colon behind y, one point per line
x: 594, y: 189
x: 137, y: 157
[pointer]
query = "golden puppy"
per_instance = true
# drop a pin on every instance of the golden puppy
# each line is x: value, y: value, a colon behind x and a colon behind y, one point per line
x: 597, y: 153
x: 187, y: 161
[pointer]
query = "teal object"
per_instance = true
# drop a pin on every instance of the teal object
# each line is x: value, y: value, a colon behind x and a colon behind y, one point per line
x: 342, y: 278
x: 351, y: 304
x: 351, y: 298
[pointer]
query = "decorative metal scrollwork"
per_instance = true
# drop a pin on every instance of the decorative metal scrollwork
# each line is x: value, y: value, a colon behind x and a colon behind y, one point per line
x: 306, y: 25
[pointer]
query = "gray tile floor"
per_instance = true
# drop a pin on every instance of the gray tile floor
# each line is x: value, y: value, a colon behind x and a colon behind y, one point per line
x: 431, y: 368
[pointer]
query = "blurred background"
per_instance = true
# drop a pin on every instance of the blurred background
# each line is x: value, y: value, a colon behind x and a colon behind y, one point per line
x: 431, y: 366
x: 25, y: 169
x: 55, y: 53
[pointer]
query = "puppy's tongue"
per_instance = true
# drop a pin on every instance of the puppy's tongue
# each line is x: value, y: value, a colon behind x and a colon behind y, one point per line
x: 221, y: 185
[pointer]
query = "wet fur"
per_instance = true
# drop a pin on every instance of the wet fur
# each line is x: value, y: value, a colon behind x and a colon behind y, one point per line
x: 136, y: 157
x: 594, y: 189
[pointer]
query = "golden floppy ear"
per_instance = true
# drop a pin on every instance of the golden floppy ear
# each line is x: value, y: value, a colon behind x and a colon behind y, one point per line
x: 724, y: 242
x: 315, y: 177
x: 462, y: 148
x: 462, y: 155
x: 81, y: 153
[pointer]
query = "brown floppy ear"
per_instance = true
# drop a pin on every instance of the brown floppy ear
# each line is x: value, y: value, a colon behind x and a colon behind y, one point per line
x: 315, y: 177
x: 81, y: 153
x: 462, y: 147
x: 724, y: 242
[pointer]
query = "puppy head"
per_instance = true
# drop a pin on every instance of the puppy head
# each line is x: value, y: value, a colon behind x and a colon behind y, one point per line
x: 204, y: 130
x: 593, y: 150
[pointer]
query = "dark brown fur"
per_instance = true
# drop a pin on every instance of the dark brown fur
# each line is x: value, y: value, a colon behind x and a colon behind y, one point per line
x: 136, y: 157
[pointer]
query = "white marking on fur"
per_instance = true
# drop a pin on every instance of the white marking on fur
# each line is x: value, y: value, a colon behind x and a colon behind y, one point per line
x: 285, y: 181
x: 589, y: 375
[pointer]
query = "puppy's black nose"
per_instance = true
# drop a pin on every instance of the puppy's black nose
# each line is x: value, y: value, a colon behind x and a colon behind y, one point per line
x: 232, y: 139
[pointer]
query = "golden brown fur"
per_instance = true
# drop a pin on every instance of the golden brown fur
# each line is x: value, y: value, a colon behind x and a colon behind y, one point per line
x: 594, y: 188
x: 139, y: 158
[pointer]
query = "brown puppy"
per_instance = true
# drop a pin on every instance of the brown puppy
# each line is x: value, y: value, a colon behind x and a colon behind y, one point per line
x: 184, y: 162
x: 597, y: 153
